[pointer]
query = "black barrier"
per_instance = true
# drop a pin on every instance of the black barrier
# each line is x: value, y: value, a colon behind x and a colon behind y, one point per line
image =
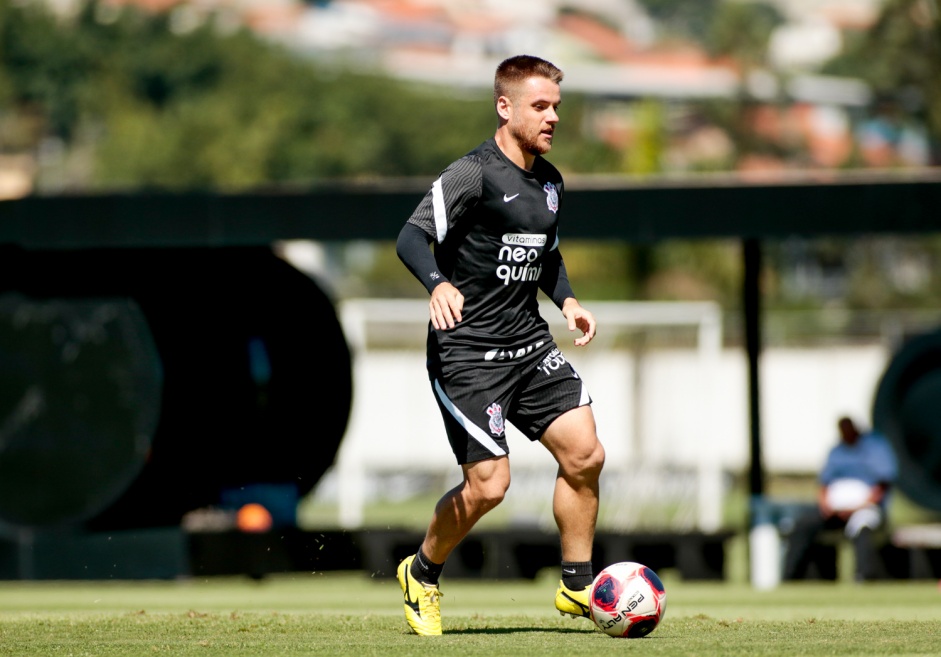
x: 79, y: 401
x: 221, y: 370
x: 907, y: 409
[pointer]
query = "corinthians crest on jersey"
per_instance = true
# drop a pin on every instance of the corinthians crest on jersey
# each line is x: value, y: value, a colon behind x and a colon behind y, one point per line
x: 552, y: 196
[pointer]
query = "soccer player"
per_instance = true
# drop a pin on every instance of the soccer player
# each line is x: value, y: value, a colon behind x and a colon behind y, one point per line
x: 493, y: 216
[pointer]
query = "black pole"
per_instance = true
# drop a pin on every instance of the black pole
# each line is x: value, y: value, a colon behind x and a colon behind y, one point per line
x: 751, y: 291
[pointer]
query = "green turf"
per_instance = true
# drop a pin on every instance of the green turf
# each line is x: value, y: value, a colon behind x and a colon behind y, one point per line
x: 350, y: 614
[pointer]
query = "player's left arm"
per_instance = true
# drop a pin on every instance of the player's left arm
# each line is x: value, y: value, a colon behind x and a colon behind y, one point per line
x: 554, y: 281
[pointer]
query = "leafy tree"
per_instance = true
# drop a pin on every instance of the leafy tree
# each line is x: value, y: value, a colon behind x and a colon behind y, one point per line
x: 137, y: 104
x: 43, y: 68
x: 646, y: 152
x: 741, y: 31
x: 681, y: 18
x: 901, y: 58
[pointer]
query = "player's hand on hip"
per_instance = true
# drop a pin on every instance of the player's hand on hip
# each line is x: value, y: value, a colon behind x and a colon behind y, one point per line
x: 445, y: 306
x: 581, y: 319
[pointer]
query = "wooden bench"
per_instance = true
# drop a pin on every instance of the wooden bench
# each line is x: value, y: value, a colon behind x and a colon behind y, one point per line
x: 914, y: 552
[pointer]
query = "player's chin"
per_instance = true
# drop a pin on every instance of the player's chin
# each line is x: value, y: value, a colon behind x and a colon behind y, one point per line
x: 544, y: 143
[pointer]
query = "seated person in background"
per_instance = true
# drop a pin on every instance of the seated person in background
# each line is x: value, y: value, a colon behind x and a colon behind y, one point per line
x: 853, y: 496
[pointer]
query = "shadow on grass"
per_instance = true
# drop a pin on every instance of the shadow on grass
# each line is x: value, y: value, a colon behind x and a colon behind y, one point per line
x: 516, y: 630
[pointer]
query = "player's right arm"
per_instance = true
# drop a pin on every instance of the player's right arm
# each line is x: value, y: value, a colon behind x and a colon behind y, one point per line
x: 451, y: 195
x: 446, y: 301
x: 445, y: 306
x: 412, y: 249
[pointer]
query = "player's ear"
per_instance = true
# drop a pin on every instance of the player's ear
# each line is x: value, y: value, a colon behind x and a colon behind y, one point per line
x: 504, y: 106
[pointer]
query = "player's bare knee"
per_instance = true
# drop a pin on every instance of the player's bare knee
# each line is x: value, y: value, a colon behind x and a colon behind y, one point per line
x: 490, y: 495
x: 598, y: 457
x: 490, y: 492
x: 585, y: 464
x: 594, y: 461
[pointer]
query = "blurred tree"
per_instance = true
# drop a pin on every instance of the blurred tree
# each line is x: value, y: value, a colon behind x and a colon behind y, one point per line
x: 695, y: 271
x: 244, y: 114
x: 900, y: 56
x: 741, y: 31
x: 135, y: 102
x: 43, y: 69
x: 681, y: 18
x: 645, y: 153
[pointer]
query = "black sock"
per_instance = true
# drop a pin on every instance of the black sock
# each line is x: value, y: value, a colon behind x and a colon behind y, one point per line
x: 425, y: 570
x: 576, y: 575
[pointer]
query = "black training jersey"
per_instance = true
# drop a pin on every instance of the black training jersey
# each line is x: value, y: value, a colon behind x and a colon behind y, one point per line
x: 495, y: 229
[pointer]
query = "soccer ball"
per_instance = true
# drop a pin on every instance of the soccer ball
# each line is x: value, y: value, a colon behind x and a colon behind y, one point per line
x: 627, y: 600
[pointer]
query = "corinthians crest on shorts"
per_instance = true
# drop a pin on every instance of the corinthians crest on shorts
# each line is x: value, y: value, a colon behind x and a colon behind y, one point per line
x: 552, y: 196
x: 495, y: 411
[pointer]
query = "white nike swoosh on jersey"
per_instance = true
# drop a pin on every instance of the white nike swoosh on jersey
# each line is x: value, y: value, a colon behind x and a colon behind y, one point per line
x: 507, y: 199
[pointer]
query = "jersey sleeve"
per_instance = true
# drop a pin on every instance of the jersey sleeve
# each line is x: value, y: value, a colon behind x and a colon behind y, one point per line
x: 456, y: 190
x: 412, y: 249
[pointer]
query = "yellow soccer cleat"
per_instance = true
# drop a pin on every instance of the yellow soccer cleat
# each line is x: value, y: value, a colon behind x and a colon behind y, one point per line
x: 422, y: 601
x: 573, y: 603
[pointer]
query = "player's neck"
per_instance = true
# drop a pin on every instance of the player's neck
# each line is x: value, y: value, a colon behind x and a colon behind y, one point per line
x: 512, y: 150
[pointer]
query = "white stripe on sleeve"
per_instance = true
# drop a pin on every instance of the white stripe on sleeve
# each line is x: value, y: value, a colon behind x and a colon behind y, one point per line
x: 441, y: 215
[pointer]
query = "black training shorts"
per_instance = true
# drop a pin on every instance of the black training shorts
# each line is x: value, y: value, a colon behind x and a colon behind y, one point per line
x: 475, y: 401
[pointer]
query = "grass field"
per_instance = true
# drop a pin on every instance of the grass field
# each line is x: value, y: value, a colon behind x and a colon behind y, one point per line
x: 351, y: 614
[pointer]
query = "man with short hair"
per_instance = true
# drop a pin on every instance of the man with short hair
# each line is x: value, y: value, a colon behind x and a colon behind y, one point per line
x: 493, y: 218
x: 852, y: 495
